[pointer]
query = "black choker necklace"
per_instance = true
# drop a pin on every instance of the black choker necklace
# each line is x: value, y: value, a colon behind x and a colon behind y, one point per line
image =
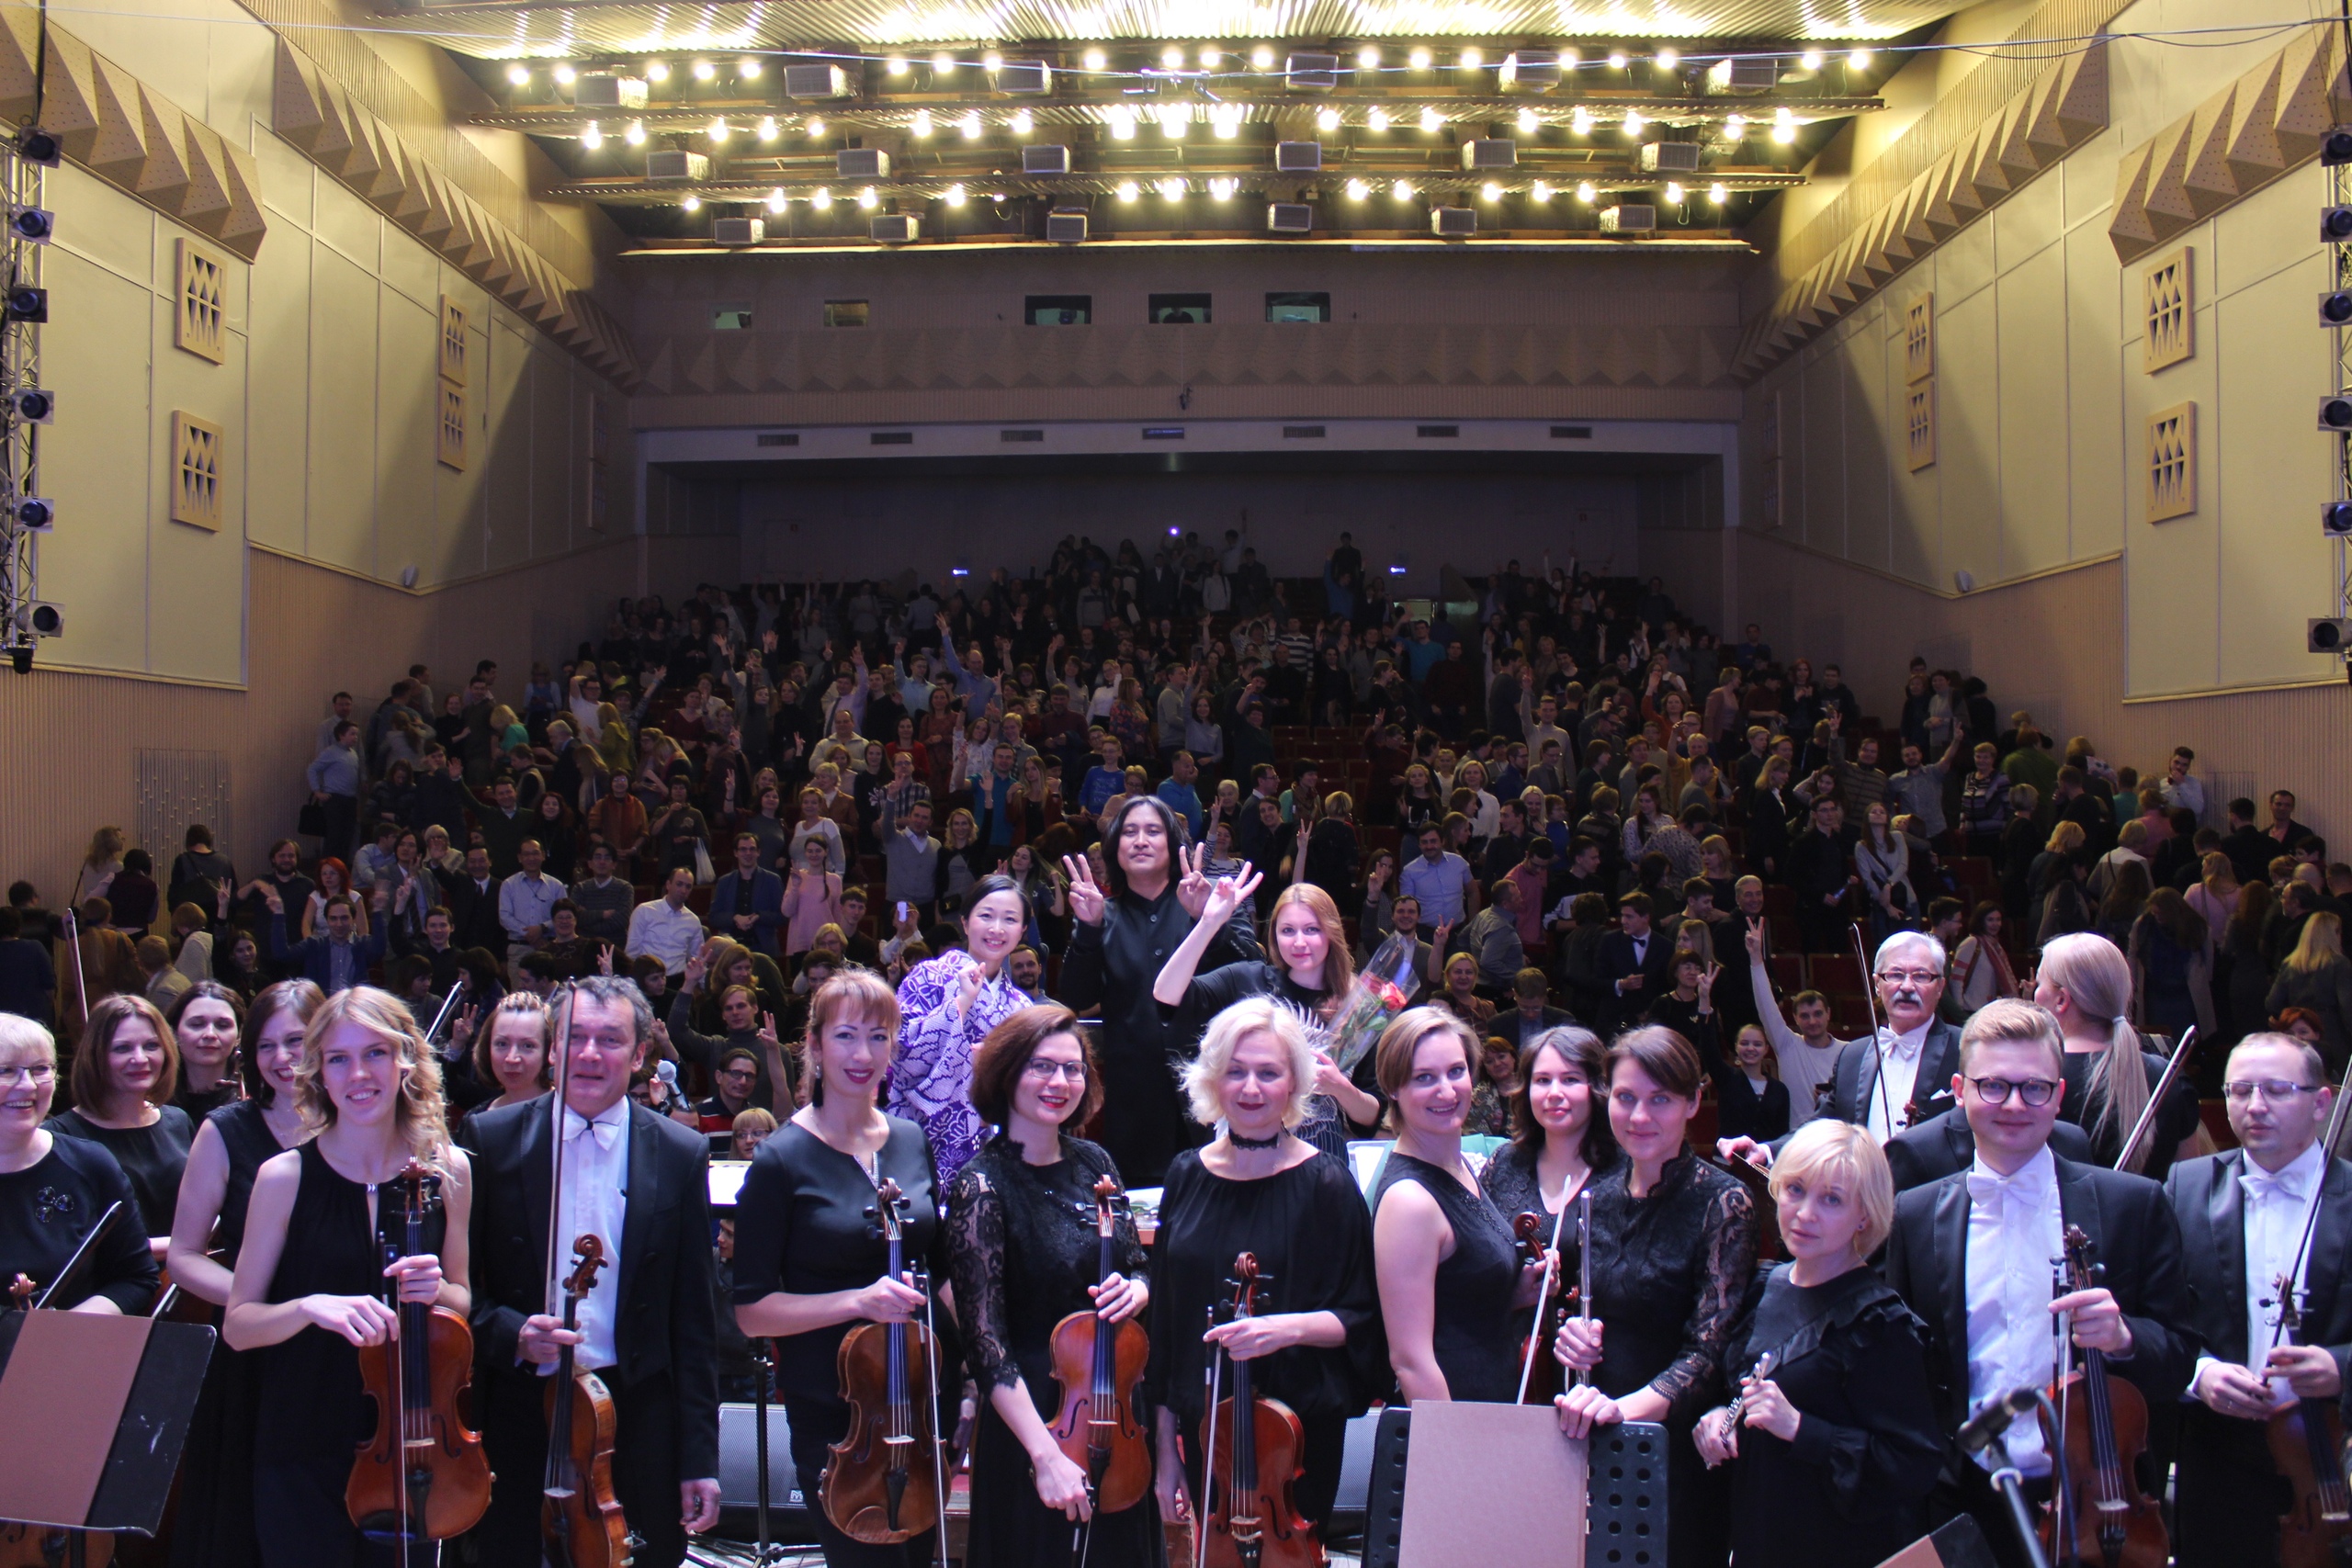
x: 1239, y: 1142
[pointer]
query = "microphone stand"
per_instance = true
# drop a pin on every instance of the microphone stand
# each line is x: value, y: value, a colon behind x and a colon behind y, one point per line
x: 2006, y: 1480
x: 762, y: 1363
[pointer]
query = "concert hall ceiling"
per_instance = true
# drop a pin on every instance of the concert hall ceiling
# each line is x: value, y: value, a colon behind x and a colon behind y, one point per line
x: 876, y: 123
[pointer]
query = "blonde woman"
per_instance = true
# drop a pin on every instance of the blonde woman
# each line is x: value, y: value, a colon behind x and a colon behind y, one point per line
x: 52, y: 1188
x: 2317, y: 977
x: 2086, y: 983
x: 1259, y: 1188
x: 1849, y: 1374
x: 311, y: 1280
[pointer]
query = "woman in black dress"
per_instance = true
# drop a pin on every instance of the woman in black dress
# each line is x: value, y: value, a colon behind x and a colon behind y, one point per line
x: 1023, y: 1245
x: 810, y: 1263
x: 206, y: 1020
x: 1125, y: 927
x: 1559, y: 1141
x: 123, y: 1080
x: 53, y: 1190
x: 215, y: 1522
x: 1673, y: 1248
x: 1449, y: 1272
x: 311, y: 1282
x: 1311, y: 971
x: 1316, y: 1345
x: 1837, y: 1443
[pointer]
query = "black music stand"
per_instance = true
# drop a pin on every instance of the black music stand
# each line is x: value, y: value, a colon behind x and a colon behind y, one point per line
x: 83, y: 1447
x: 1625, y: 1496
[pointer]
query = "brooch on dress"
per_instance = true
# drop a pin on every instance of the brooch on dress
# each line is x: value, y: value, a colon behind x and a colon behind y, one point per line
x: 52, y: 1204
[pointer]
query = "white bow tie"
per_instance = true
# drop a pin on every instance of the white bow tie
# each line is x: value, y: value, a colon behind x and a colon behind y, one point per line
x: 1904, y: 1045
x: 2260, y: 1184
x: 607, y: 1127
x: 1989, y: 1187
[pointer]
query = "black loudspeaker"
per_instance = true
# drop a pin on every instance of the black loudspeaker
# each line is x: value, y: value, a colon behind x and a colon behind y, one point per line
x: 1355, y: 1476
x: 739, y: 1464
x: 1624, y: 1496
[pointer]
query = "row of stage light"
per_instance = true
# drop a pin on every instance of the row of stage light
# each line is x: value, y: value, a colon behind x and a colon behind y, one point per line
x: 1225, y: 188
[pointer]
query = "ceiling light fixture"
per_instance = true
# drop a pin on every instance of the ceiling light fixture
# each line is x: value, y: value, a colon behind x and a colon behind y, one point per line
x: 1616, y: 60
x: 868, y: 199
x: 1528, y: 124
x: 1674, y: 194
x: 821, y: 198
x: 1421, y: 59
x: 691, y: 204
x: 1358, y: 190
x: 1859, y: 61
x: 1810, y: 59
x: 1490, y: 191
x: 1326, y: 119
x: 991, y: 62
x: 1667, y: 59
x: 942, y: 65
x: 1172, y: 188
x: 705, y: 70
x: 1719, y: 193
x: 1540, y: 191
x: 1171, y: 59
x: 748, y: 69
x: 1586, y: 194
x: 1581, y: 121
x: 1432, y: 121
x: 895, y: 65
x: 1211, y: 58
x: 657, y: 71
x: 1095, y: 60
x: 1021, y: 123
x: 775, y: 199
x: 1473, y: 58
x: 1262, y: 58
x: 635, y: 134
x: 1784, y: 134
x: 1127, y: 191
x: 1174, y: 122
x: 1228, y: 122
x: 1368, y: 58
x: 920, y: 125
x: 954, y: 196
x: 1634, y: 124
x: 519, y: 74
x: 970, y: 124
x: 1735, y: 127
x: 1375, y: 119
x: 1223, y: 186
x: 592, y: 138
x: 1572, y: 57
x: 768, y: 131
x: 1123, y: 123
x: 719, y: 128
x: 1401, y: 191
x: 564, y: 75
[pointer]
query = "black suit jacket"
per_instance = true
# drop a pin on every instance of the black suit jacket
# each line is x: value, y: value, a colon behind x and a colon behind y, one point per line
x: 2132, y: 1234
x: 1623, y: 1009
x: 473, y: 913
x: 1854, y: 1078
x: 2210, y: 1208
x: 1945, y: 1144
x: 666, y: 1320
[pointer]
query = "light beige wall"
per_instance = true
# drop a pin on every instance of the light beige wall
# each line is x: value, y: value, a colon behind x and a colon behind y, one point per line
x: 2043, y: 401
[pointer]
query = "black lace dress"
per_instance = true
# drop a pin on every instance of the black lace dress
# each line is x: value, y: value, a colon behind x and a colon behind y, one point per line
x: 1023, y: 1245
x: 1669, y: 1270
x: 1471, y: 1333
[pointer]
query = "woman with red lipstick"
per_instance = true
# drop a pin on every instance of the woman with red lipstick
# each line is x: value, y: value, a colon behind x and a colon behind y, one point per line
x: 53, y: 1190
x: 123, y: 1079
x: 1023, y: 1245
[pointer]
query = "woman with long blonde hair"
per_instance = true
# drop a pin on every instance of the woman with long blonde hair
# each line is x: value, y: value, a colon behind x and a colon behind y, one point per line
x: 2086, y: 983
x: 311, y: 1282
x: 2317, y: 977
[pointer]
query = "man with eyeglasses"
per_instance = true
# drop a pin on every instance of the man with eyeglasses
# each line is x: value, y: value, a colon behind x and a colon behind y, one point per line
x: 1972, y: 1256
x: 2243, y: 1219
x: 1921, y: 1052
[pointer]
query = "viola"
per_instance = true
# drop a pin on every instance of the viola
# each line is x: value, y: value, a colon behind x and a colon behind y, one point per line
x: 2103, y: 1520
x: 1254, y: 1450
x: 1544, y: 1370
x: 422, y: 1474
x: 887, y: 1477
x: 2305, y: 1438
x: 580, y: 1520
x: 1096, y: 1425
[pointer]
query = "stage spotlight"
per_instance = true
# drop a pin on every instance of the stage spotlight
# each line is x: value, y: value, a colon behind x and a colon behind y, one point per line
x: 26, y: 303
x: 34, y: 225
x: 35, y: 145
x: 36, y: 512
x: 590, y: 138
x: 705, y: 70
x: 635, y: 134
x: 1262, y: 58
x: 34, y: 405
x: 2335, y: 519
x: 42, y: 619
x: 1095, y: 60
x: 2335, y: 412
x: 2327, y: 636
x: 2336, y: 147
x: 2335, y: 225
x: 657, y: 71
x: 564, y: 75
x: 2335, y: 308
x: 1810, y: 59
x: 519, y: 74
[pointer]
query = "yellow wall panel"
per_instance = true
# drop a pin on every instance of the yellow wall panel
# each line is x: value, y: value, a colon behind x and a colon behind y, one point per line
x: 2095, y: 394
x: 508, y: 538
x: 1964, y: 265
x: 407, y: 412
x: 411, y: 268
x: 1824, y: 450
x: 287, y: 179
x: 2027, y: 221
x: 1870, y: 446
x: 342, y: 459
x: 1969, y: 337
x: 552, y: 452
x: 2276, y: 228
x: 2033, y: 457
x: 102, y: 223
x: 197, y: 616
x: 348, y: 224
x: 95, y: 461
x: 2173, y: 565
x: 278, y: 394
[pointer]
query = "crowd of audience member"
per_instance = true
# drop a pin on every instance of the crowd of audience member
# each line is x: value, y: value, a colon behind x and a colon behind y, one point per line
x: 1565, y: 799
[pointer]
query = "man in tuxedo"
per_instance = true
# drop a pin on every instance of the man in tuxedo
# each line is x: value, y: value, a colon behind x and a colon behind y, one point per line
x: 1635, y: 960
x: 2242, y: 1217
x: 1972, y: 1254
x: 471, y: 898
x: 1921, y: 1052
x: 637, y: 1181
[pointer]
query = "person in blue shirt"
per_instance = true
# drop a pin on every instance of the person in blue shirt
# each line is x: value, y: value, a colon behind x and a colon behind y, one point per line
x: 334, y: 961
x: 1181, y: 791
x: 1105, y: 780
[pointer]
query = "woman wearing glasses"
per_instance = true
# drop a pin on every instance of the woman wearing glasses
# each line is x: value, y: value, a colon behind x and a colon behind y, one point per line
x: 52, y: 1188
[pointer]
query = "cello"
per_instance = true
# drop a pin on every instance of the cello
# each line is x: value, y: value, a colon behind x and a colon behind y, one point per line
x: 879, y: 1487
x: 421, y: 1475
x: 1096, y: 1425
x: 2102, y: 1519
x: 1254, y: 1452
x: 580, y: 1520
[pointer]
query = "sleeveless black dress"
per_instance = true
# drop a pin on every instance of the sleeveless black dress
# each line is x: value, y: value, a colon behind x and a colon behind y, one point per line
x: 215, y: 1522
x: 1471, y: 1337
x: 314, y: 1413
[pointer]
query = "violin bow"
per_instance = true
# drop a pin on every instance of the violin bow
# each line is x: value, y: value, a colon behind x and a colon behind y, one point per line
x: 1878, y: 1037
x: 559, y: 1042
x: 1213, y: 1378
x: 938, y: 1436
x: 1544, y: 1295
x: 2135, y: 1147
x: 2338, y: 1117
x: 2310, y: 1214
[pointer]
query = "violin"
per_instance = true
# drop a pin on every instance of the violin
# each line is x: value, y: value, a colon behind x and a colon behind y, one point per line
x: 887, y: 1478
x: 1254, y: 1452
x: 422, y: 1474
x: 1758, y: 1182
x: 2103, y: 1520
x: 1543, y: 1370
x: 1096, y: 1425
x: 2305, y: 1437
x: 580, y: 1520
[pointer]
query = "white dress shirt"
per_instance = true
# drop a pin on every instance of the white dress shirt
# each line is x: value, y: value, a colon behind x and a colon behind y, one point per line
x: 657, y: 930
x: 2016, y: 1235
x: 596, y: 1201
x: 1899, y: 1057
x: 2277, y: 1208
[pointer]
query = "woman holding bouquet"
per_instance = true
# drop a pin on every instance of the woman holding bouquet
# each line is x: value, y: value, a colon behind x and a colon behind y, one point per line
x: 1311, y: 971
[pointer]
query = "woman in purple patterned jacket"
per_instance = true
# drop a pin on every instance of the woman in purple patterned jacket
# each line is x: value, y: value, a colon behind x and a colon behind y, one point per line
x: 946, y: 1007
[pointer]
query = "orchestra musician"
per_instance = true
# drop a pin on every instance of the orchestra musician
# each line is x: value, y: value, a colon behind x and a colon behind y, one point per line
x: 810, y: 1262
x: 649, y: 1329
x: 1259, y: 1188
x: 2243, y: 1220
x: 123, y: 1078
x: 1446, y: 1259
x: 1834, y: 1446
x: 1560, y: 1136
x: 2085, y: 981
x: 1972, y: 1255
x: 215, y: 1519
x: 53, y: 1190
x: 311, y: 1277
x: 1023, y: 1251
x: 1673, y: 1250
x: 1122, y: 934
